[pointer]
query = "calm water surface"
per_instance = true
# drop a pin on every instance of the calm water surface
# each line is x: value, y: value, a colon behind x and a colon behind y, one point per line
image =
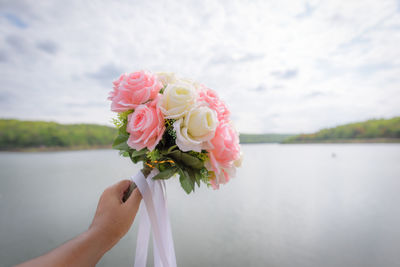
x: 290, y: 205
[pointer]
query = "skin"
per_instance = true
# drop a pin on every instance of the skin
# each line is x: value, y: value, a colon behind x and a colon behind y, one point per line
x: 111, y: 222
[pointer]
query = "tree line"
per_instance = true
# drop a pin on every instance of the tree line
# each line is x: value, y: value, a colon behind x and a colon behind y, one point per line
x: 16, y: 134
x: 263, y: 138
x: 371, y: 129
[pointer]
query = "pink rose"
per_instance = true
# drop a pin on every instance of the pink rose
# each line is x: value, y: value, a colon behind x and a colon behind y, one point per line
x: 222, y: 176
x: 131, y: 90
x: 214, y: 102
x: 225, y: 151
x: 146, y: 126
x: 226, y: 144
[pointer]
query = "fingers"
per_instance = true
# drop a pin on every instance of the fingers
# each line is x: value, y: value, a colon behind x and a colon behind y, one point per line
x: 133, y: 201
x: 121, y: 186
x: 116, y: 191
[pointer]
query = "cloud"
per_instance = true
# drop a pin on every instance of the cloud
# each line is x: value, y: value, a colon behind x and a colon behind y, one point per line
x: 307, y: 12
x: 260, y: 88
x: 370, y: 69
x: 356, y: 41
x: 3, y: 56
x: 48, y: 46
x: 285, y: 74
x: 16, y: 42
x: 6, y: 97
x: 235, y: 58
x: 15, y: 20
x: 106, y: 73
x: 314, y: 94
x: 262, y: 57
x: 85, y: 105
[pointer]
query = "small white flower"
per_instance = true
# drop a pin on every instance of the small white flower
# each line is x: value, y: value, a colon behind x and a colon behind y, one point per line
x: 195, y: 130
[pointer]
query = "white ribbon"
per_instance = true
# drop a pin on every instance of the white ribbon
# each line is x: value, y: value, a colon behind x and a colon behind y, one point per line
x: 154, y: 214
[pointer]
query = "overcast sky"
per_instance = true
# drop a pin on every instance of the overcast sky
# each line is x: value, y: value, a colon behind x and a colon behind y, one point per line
x: 281, y: 66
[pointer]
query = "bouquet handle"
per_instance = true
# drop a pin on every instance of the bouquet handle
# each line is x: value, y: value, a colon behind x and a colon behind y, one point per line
x: 154, y: 215
x: 145, y: 171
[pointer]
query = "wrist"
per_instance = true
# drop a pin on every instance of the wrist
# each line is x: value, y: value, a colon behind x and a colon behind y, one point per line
x: 99, y: 239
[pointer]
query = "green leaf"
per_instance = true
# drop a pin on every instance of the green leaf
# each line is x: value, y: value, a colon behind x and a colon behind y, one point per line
x: 122, y: 129
x: 122, y: 146
x: 141, y: 152
x: 192, y: 161
x: 187, y: 159
x: 175, y: 154
x: 192, y: 177
x: 171, y: 148
x: 162, y: 89
x: 124, y: 153
x: 137, y: 156
x: 197, y: 177
x: 121, y: 138
x: 120, y: 141
x: 185, y: 181
x: 136, y: 159
x: 168, y: 173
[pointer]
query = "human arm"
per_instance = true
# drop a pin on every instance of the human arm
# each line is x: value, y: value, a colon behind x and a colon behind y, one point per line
x: 111, y: 222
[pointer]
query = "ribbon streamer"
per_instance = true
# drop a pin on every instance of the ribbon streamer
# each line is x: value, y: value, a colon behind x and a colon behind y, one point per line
x: 154, y: 217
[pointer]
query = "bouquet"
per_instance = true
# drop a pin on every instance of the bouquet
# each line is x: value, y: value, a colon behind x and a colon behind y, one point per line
x: 174, y: 126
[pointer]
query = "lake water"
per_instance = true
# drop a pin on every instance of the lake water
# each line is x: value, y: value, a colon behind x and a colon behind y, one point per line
x: 290, y: 205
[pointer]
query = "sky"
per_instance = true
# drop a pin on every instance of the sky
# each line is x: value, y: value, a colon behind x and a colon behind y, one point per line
x: 281, y: 66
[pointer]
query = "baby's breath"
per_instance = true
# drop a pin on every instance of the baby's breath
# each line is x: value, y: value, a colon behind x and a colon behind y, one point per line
x: 200, y: 155
x: 153, y: 155
x: 121, y: 119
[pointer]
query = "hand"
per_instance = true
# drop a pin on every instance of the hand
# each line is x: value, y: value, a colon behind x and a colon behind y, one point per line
x: 112, y: 221
x: 113, y: 217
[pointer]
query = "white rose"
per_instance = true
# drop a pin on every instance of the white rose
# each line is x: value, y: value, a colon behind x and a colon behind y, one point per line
x: 198, y: 127
x: 177, y: 99
x: 166, y: 77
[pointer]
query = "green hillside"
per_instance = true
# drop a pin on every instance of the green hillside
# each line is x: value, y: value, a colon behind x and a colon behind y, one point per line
x: 376, y: 130
x: 263, y: 138
x: 40, y: 135
x: 16, y: 134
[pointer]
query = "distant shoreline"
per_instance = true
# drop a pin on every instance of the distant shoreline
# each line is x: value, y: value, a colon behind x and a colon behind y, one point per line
x: 38, y: 136
x: 347, y: 141
x: 55, y: 149
x: 341, y: 141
